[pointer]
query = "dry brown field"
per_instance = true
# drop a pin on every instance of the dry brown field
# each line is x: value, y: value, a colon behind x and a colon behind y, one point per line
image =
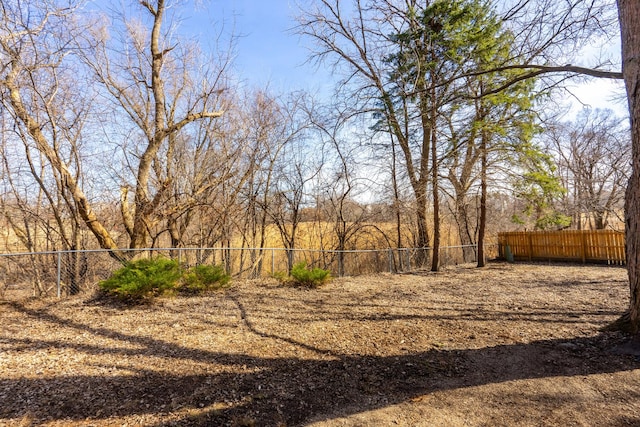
x: 510, y: 344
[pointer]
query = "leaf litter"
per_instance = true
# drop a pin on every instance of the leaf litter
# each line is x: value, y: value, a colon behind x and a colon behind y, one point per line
x: 510, y: 344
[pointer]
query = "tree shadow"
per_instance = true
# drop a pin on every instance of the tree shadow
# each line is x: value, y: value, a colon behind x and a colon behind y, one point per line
x: 280, y: 391
x: 478, y: 311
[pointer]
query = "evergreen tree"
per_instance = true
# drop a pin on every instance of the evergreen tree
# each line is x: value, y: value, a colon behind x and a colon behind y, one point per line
x: 438, y: 74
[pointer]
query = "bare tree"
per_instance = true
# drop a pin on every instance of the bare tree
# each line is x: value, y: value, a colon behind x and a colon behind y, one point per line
x: 359, y: 44
x: 204, y: 160
x: 274, y: 190
x: 37, y: 70
x: 293, y: 174
x: 150, y: 78
x: 44, y: 214
x: 593, y: 162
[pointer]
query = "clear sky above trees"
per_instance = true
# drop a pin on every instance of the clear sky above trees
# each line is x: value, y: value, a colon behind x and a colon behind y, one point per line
x: 267, y: 51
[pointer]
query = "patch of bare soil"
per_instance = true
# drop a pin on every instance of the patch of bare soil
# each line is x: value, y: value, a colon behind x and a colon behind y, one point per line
x: 505, y: 345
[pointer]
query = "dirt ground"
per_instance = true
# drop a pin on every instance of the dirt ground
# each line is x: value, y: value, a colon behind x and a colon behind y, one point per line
x: 502, y: 346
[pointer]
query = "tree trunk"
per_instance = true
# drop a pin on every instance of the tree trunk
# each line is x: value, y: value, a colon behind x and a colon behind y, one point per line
x: 422, y: 241
x: 629, y: 17
x: 435, y: 257
x: 82, y: 203
x: 396, y: 195
x: 482, y: 222
x: 599, y: 221
x: 462, y: 221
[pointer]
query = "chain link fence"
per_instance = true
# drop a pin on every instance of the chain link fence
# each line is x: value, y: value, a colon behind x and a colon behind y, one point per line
x: 61, y: 273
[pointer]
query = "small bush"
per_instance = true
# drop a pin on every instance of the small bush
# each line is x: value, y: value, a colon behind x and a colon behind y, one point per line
x: 281, y: 276
x: 301, y: 275
x: 203, y: 278
x: 143, y: 279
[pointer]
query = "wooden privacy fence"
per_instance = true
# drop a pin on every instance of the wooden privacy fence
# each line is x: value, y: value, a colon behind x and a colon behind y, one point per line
x: 598, y: 246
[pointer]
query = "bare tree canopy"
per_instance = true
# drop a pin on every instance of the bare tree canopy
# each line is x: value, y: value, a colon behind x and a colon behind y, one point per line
x: 115, y: 124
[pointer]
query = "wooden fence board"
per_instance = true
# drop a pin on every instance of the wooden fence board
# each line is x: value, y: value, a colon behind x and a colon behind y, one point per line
x: 606, y: 246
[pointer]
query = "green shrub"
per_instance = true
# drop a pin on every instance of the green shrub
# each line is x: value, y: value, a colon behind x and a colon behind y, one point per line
x: 203, y: 278
x: 143, y: 279
x: 281, y: 276
x: 301, y: 275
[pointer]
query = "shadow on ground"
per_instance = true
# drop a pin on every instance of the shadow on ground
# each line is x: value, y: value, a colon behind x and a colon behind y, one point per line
x: 284, y: 391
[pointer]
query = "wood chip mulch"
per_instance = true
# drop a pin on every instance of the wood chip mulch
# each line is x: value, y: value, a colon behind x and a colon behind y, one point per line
x: 505, y: 345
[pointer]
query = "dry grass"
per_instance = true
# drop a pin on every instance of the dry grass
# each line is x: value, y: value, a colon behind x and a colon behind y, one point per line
x: 505, y: 345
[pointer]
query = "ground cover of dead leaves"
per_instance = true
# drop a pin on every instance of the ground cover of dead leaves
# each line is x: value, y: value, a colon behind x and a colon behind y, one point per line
x: 504, y: 345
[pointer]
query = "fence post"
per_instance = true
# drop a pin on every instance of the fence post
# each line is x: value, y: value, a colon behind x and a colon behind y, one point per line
x: 390, y: 252
x: 59, y: 275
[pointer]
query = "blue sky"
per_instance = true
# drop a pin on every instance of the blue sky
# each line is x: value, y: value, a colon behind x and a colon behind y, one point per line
x: 267, y: 50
